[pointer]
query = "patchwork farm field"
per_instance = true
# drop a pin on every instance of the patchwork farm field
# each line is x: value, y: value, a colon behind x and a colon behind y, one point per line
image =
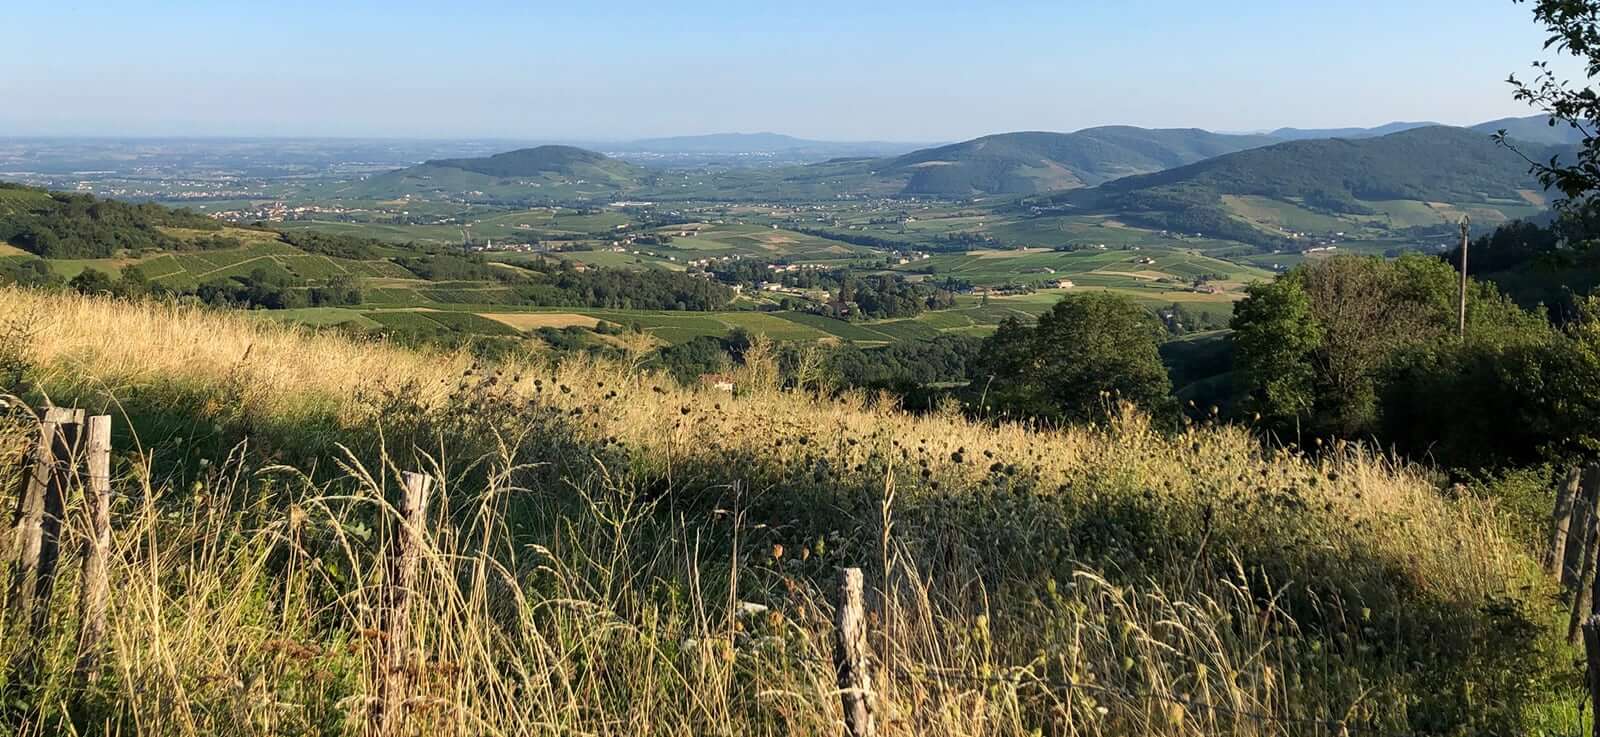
x: 1154, y: 269
x: 1110, y: 267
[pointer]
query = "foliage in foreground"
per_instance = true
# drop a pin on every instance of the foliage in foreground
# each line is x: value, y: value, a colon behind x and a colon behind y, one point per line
x: 605, y: 533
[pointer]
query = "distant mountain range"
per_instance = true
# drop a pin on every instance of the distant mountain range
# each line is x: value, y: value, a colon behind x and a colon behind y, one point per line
x: 1413, y: 159
x: 1533, y: 129
x: 770, y: 144
x: 1539, y: 129
x: 1304, y: 134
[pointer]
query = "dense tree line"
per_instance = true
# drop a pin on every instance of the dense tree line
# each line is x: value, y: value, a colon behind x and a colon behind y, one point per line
x: 560, y: 285
x: 1552, y: 264
x: 338, y: 246
x: 877, y: 297
x: 884, y: 297
x: 63, y: 225
x: 906, y: 365
x: 451, y: 267
x: 1357, y: 347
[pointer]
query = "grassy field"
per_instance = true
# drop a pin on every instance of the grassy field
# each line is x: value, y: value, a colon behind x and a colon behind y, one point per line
x: 969, y: 317
x: 1153, y: 276
x: 605, y: 550
x: 388, y: 288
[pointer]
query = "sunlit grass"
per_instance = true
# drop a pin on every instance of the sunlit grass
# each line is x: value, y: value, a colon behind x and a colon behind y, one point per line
x: 602, y: 531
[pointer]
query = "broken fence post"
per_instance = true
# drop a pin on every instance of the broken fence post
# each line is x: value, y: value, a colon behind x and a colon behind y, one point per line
x: 850, y: 657
x: 405, y: 553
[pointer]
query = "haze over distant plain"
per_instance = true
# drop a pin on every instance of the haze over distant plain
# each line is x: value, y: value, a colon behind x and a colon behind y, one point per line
x: 828, y: 70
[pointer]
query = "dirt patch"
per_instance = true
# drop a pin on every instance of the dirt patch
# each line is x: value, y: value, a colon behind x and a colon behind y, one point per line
x: 536, y: 320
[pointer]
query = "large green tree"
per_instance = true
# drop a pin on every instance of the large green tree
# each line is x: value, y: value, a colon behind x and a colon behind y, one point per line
x: 1314, y: 348
x: 1275, y: 336
x: 1088, y: 352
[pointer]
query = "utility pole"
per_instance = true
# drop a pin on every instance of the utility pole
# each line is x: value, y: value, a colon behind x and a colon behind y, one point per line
x: 1461, y: 330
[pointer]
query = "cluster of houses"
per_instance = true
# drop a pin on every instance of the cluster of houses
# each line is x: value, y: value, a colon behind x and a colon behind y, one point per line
x: 707, y: 262
x: 489, y: 246
x: 790, y: 268
x: 277, y: 212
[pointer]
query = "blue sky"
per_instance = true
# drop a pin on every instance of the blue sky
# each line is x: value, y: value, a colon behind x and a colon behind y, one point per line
x: 896, y: 70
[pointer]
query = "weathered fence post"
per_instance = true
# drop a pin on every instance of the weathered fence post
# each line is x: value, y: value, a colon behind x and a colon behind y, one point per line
x: 1582, y: 510
x: 29, y: 516
x: 405, y: 552
x: 1591, y: 647
x: 93, y: 584
x: 1581, y: 593
x: 1561, y: 519
x: 850, y: 657
x: 62, y: 471
x: 37, y: 529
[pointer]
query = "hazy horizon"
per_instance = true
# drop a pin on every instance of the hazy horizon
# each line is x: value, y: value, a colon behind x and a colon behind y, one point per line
x: 551, y: 140
x: 833, y: 71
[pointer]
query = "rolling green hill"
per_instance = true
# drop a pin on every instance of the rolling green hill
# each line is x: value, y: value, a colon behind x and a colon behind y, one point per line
x: 1422, y: 176
x: 540, y: 173
x: 1008, y: 163
x: 542, y: 161
x: 1025, y: 163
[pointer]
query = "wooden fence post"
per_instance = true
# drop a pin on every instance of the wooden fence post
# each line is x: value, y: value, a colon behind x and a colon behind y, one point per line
x: 850, y: 657
x: 1581, y: 593
x: 37, y: 530
x: 29, y: 516
x: 93, y: 584
x: 1582, y: 508
x: 405, y: 553
x: 1561, y: 521
x: 62, y: 472
x: 1591, y: 647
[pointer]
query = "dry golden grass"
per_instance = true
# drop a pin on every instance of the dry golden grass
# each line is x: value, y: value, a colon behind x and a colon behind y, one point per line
x: 604, y: 526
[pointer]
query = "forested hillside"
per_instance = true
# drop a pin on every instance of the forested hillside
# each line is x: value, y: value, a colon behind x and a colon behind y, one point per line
x: 61, y: 225
x: 1342, y: 177
x: 1024, y: 163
